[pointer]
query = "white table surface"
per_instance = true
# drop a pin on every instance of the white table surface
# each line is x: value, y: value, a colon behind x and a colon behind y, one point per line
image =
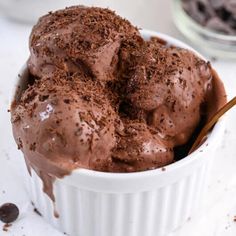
x: 214, y: 219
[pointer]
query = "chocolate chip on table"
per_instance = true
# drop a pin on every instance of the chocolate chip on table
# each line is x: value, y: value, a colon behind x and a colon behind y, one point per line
x: 8, y: 213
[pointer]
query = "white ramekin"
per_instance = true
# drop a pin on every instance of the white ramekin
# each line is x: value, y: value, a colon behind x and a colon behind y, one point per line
x: 149, y: 203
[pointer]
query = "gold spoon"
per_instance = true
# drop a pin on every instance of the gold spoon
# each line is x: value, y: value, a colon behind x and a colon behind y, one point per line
x: 211, y: 123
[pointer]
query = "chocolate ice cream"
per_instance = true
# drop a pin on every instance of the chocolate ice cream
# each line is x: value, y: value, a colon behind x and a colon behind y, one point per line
x: 78, y: 37
x: 99, y: 97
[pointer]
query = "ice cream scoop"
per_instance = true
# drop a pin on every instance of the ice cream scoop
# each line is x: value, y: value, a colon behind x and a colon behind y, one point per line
x: 62, y: 123
x: 78, y: 37
x: 170, y: 85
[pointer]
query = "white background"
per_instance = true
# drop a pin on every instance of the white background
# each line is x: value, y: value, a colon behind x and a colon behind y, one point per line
x: 214, y: 219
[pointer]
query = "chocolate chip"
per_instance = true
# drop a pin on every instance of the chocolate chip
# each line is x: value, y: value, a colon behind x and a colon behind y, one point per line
x: 8, y: 213
x: 201, y: 7
x: 67, y: 101
x: 86, y: 98
x: 42, y: 98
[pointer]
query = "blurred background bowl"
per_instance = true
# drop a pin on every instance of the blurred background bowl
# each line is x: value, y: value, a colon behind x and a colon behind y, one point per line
x: 209, y: 42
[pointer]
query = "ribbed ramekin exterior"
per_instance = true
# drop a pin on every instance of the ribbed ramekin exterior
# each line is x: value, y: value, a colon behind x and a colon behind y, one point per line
x: 151, y: 213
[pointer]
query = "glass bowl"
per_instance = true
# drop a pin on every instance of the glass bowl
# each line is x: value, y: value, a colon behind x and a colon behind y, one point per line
x: 210, y: 42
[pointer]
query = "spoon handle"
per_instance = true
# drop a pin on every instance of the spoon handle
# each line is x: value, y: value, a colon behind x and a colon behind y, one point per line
x: 211, y: 123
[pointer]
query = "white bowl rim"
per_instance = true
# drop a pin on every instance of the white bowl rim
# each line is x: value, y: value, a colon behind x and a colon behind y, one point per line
x: 197, y: 156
